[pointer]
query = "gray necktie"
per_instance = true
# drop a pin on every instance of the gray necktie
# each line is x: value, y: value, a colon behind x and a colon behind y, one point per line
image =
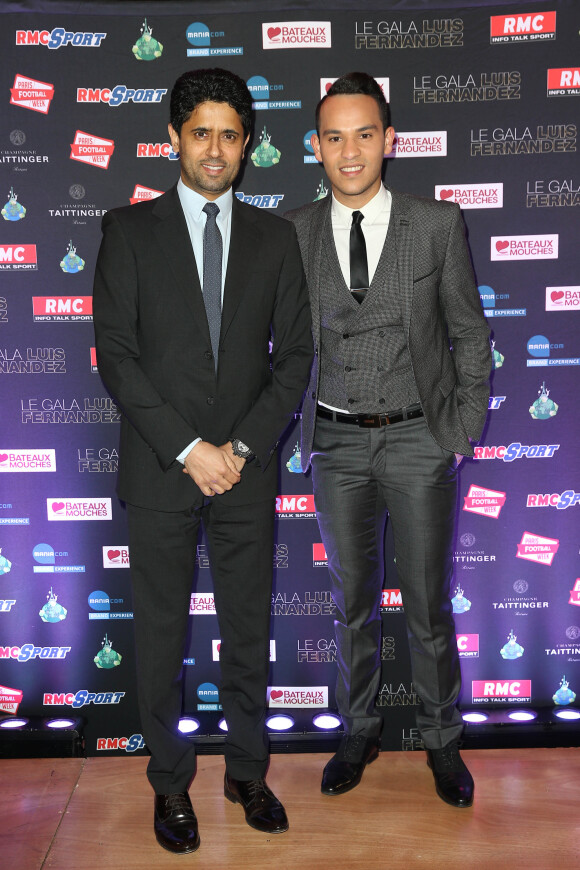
x: 212, y: 276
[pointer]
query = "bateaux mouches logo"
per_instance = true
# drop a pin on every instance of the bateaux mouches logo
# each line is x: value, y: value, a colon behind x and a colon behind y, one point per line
x: 296, y: 34
x: 533, y: 247
x: 297, y: 696
x: 537, y: 548
x: 486, y: 502
x: 564, y: 82
x: 59, y: 37
x: 201, y: 37
x: 116, y: 557
x: 468, y: 646
x: 10, y: 699
x: 431, y: 143
x: 120, y: 94
x: 31, y: 94
x: 262, y: 92
x: 78, y: 509
x: 27, y: 460
x: 563, y: 298
x: 62, y: 309
x: 18, y: 258
x: 501, y: 691
x: 427, y: 33
x: 202, y: 603
x: 295, y: 507
x: 472, y: 195
x: 91, y: 149
x: 527, y: 27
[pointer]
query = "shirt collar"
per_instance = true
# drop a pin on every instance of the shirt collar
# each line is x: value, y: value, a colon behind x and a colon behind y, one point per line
x: 193, y: 202
x: 380, y: 203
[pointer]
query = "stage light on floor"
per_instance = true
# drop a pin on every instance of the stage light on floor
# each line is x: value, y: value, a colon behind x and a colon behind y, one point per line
x: 279, y: 722
x: 326, y: 721
x: 568, y: 714
x: 188, y: 725
x: 60, y: 723
x: 522, y: 715
x: 223, y: 725
x: 14, y: 723
x: 473, y: 716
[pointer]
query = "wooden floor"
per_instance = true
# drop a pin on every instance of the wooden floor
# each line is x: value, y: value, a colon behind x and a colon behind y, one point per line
x: 96, y: 813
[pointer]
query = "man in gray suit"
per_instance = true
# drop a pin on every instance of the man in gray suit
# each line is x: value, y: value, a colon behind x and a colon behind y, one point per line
x: 398, y: 391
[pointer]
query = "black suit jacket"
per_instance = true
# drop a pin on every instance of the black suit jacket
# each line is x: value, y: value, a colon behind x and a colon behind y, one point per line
x: 154, y: 349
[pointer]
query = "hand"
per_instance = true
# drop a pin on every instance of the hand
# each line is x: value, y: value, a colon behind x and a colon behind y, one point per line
x: 212, y: 469
x: 238, y: 461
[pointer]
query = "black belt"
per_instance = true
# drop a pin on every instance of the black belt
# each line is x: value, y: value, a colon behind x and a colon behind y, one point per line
x: 371, y: 421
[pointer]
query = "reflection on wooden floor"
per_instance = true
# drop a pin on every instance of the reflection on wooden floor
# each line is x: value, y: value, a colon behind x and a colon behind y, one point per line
x: 96, y: 813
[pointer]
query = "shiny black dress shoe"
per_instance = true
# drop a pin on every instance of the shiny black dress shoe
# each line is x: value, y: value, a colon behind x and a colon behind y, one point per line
x: 453, y: 781
x: 345, y: 769
x: 262, y: 808
x: 175, y: 823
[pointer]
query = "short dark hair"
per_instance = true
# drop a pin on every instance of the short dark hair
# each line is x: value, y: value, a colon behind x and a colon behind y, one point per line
x: 209, y: 85
x: 357, y: 83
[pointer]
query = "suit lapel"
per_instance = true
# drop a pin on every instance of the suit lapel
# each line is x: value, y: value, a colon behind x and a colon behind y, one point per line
x: 403, y: 227
x: 173, y: 238
x: 245, y: 239
x: 320, y: 233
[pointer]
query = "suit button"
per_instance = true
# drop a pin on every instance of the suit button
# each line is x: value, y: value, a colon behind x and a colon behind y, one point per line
x: 382, y: 333
x: 210, y: 400
x: 381, y: 401
x: 346, y: 335
x: 351, y: 401
x: 208, y: 354
x: 347, y: 369
x: 313, y: 395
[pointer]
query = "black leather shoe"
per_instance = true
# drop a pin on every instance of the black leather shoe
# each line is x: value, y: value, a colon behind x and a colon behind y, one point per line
x: 453, y: 781
x: 175, y: 823
x: 345, y: 769
x: 262, y: 808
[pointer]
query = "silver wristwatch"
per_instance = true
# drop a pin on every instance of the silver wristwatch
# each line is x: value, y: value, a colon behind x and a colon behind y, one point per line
x: 241, y: 449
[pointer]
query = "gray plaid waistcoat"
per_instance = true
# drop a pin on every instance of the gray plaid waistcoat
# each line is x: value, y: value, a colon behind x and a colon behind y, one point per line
x: 365, y: 362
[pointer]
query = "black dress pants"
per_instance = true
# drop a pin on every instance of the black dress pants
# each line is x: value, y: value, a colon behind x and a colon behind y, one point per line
x: 358, y: 475
x: 163, y: 552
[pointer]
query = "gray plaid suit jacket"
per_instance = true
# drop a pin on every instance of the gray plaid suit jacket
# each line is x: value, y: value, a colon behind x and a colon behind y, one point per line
x: 447, y: 333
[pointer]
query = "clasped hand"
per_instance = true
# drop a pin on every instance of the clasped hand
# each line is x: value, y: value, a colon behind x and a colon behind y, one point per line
x: 214, y: 469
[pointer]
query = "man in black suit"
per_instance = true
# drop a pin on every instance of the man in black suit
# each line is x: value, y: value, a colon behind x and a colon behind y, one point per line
x: 398, y: 392
x: 189, y: 290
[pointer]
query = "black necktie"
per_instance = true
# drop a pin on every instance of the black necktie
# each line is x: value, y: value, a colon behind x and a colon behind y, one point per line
x: 212, y: 276
x: 359, y: 271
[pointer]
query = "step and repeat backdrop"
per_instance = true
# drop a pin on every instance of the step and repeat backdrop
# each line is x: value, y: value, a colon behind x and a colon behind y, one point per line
x: 485, y: 100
